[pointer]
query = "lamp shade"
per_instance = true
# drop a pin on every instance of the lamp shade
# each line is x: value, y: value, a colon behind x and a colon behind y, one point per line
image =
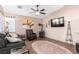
x: 26, y: 21
x: 68, y: 19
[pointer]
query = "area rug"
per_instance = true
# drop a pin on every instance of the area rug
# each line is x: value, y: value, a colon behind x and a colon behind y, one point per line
x: 46, y: 47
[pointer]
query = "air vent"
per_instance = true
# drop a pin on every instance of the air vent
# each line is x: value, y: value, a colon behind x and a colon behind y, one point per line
x: 20, y: 7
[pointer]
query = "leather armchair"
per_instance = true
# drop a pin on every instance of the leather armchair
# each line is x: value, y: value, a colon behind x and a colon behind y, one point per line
x: 30, y: 34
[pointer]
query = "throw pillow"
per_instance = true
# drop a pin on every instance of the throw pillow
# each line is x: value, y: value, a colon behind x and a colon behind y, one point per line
x: 13, y: 35
x: 12, y: 39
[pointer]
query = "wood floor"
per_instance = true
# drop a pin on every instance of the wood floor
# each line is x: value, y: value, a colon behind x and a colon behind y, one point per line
x: 68, y: 46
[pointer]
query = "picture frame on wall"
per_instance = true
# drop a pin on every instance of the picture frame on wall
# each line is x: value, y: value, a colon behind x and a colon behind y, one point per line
x: 57, y: 22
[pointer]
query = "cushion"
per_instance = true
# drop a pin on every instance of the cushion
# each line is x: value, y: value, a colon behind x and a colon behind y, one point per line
x: 16, y: 44
x: 2, y: 35
x: 6, y: 41
x: 8, y: 35
x: 2, y: 43
x: 12, y: 39
x: 13, y: 35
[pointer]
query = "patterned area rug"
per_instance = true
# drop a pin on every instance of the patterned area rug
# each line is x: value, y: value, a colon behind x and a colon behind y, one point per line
x: 46, y: 47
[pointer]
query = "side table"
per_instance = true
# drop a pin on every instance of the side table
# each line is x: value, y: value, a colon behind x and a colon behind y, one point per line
x: 20, y: 51
x: 77, y: 47
x: 41, y: 34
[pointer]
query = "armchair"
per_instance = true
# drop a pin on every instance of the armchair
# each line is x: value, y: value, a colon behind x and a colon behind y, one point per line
x: 30, y: 34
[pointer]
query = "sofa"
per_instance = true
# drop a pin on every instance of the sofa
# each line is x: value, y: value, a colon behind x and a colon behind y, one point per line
x: 6, y: 46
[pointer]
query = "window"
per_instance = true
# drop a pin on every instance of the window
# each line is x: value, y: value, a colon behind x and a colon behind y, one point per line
x: 10, y: 24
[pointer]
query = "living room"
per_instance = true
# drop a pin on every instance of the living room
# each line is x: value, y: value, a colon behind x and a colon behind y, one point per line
x: 49, y: 37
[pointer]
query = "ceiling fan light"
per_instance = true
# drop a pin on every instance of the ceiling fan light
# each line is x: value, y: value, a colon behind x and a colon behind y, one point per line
x: 37, y: 13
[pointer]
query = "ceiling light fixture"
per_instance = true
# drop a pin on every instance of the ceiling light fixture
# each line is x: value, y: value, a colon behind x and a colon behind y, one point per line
x: 37, y: 13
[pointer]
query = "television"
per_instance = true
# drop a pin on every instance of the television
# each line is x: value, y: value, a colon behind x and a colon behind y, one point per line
x: 57, y: 22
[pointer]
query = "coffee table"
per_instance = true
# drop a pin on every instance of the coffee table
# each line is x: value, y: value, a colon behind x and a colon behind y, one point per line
x: 20, y: 51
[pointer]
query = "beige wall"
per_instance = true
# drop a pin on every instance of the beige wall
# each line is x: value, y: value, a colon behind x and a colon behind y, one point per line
x: 69, y: 12
x: 20, y: 30
x: 18, y: 25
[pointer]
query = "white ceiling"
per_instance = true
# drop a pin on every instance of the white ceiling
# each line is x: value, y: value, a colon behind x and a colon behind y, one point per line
x: 25, y: 10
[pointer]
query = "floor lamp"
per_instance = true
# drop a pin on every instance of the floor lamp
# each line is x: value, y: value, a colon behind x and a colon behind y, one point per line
x: 69, y: 32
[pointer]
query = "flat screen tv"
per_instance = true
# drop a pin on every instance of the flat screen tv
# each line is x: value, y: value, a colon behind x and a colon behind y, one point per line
x: 57, y: 22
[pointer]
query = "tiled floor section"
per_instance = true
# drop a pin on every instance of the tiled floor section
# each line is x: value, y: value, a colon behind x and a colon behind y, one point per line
x: 68, y: 46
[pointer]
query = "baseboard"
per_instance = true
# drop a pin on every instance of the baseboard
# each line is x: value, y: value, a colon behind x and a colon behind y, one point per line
x: 60, y: 41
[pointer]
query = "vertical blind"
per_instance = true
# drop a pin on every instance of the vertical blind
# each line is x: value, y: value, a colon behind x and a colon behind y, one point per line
x: 10, y: 24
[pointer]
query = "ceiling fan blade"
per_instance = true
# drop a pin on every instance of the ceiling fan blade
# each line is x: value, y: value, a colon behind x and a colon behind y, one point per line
x: 42, y: 9
x: 33, y: 9
x: 43, y: 13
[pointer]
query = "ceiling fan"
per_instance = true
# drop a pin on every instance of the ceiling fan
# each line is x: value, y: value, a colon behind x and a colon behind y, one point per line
x: 38, y: 11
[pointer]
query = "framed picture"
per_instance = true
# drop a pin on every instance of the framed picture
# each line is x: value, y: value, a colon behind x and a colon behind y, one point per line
x: 57, y: 22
